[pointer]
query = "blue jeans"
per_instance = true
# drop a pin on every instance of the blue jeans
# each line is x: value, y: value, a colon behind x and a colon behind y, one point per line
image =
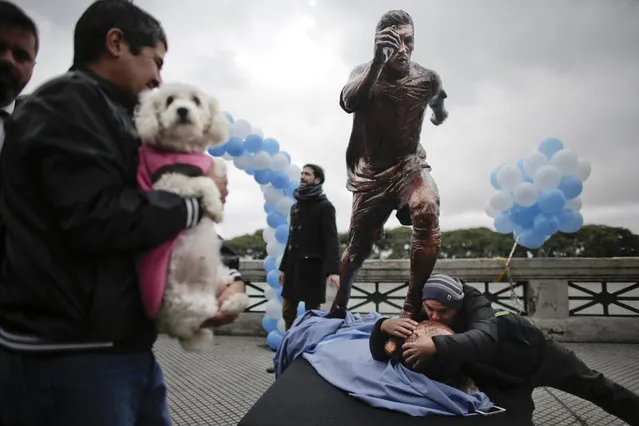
x: 82, y: 389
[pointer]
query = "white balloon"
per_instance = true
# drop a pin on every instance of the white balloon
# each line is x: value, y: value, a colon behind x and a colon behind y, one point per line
x: 270, y: 293
x: 241, y: 128
x: 284, y: 205
x: 257, y: 131
x: 526, y: 194
x: 274, y: 248
x: 272, y: 195
x: 534, y: 162
x: 243, y: 162
x: 273, y: 308
x: 565, y: 161
x: 281, y: 326
x: 573, y: 203
x: 547, y: 177
x: 261, y: 160
x: 583, y: 169
x: 490, y: 210
x: 268, y: 235
x: 501, y: 201
x: 509, y: 177
x: 227, y: 156
x: 280, y: 162
x: 294, y: 172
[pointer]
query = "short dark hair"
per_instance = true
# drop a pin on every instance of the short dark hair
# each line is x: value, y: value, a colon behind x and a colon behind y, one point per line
x: 318, y: 172
x: 11, y: 16
x: 139, y: 28
x: 394, y: 17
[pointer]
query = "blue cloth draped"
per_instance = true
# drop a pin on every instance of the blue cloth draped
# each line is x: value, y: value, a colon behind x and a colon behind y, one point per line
x: 339, y: 351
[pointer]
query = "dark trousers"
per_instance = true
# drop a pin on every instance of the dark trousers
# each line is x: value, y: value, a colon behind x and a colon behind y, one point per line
x: 561, y: 369
x: 289, y: 311
x: 82, y: 389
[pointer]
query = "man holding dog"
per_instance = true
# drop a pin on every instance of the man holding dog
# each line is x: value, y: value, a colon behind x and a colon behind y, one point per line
x: 75, y: 344
x: 502, y: 352
x: 386, y: 165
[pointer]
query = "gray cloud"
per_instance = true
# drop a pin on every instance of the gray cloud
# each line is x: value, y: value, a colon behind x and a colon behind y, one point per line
x: 516, y: 73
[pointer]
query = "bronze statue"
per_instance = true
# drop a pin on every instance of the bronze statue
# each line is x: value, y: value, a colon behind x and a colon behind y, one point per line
x: 387, y: 168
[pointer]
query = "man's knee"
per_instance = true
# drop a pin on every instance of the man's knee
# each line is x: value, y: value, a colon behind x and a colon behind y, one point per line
x: 425, y: 214
x: 356, y: 254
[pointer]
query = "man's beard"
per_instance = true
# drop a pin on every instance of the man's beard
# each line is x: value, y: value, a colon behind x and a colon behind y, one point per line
x: 10, y: 84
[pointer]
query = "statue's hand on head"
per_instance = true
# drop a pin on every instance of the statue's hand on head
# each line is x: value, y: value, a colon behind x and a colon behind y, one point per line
x: 386, y: 42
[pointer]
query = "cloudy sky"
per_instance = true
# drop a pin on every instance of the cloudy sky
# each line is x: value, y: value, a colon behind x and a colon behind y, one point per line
x: 515, y: 72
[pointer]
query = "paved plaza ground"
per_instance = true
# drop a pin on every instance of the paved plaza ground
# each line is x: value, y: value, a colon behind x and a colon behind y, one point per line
x: 219, y: 386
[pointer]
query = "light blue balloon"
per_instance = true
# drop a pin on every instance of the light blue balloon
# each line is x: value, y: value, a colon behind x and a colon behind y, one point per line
x: 493, y: 177
x: 571, y: 186
x: 546, y: 224
x: 287, y: 155
x: 271, y: 146
x: 301, y: 308
x: 263, y: 176
x: 532, y: 239
x: 274, y: 339
x: 217, y: 151
x: 551, y: 201
x: 253, y: 143
x: 570, y: 221
x: 550, y: 146
x: 275, y: 219
x: 272, y: 278
x: 269, y: 263
x: 269, y: 208
x: 269, y: 323
x: 520, y: 165
x: 235, y: 146
x: 503, y: 224
x: 279, y: 180
x: 250, y: 171
x: 281, y: 233
x: 229, y: 117
x: 523, y: 216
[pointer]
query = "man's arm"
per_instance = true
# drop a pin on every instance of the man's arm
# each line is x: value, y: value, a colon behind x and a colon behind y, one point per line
x: 436, y: 102
x: 96, y: 205
x: 480, y: 341
x: 359, y: 88
x: 331, y: 241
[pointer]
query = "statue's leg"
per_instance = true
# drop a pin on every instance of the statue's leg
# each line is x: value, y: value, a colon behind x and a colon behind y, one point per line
x: 370, y: 212
x: 422, y: 196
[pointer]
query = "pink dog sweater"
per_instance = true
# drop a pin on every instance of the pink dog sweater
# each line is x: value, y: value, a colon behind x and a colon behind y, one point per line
x: 153, y: 265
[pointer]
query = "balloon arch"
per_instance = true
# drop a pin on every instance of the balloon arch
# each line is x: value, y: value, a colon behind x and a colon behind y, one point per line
x: 271, y: 168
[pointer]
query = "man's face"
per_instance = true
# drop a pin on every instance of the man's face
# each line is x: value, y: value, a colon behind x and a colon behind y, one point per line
x: 17, y: 59
x: 400, y: 61
x: 308, y: 177
x: 436, y: 311
x: 142, y: 71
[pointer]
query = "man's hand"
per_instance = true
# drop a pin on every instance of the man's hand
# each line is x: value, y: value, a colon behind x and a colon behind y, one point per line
x: 386, y: 38
x: 220, y: 318
x: 399, y: 327
x: 333, y: 280
x: 281, y: 278
x: 419, y: 350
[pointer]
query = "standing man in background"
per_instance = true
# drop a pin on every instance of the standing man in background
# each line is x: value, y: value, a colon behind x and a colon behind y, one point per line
x: 311, y: 257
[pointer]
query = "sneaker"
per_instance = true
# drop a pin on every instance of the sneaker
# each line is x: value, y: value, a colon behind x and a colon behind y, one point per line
x: 270, y: 370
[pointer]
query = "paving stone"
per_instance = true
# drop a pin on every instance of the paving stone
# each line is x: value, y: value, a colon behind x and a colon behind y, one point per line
x: 219, y: 386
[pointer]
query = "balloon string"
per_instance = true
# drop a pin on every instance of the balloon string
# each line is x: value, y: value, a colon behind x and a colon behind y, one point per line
x: 507, y: 261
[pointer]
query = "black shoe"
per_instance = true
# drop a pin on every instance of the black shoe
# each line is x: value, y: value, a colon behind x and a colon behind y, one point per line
x: 270, y: 370
x: 337, y: 312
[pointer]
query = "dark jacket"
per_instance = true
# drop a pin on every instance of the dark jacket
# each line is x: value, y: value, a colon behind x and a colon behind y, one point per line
x: 312, y: 251
x: 476, y: 337
x: 75, y: 218
x: 506, y: 359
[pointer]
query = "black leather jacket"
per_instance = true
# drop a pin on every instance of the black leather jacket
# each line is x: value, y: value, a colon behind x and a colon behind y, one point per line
x: 74, y: 217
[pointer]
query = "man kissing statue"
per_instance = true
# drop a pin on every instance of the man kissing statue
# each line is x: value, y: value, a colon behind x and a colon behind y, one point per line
x: 387, y: 167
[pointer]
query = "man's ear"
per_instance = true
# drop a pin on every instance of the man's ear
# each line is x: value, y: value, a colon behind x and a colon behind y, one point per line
x: 115, y: 42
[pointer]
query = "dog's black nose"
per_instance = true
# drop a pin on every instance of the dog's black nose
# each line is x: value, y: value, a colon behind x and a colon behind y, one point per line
x: 182, y: 112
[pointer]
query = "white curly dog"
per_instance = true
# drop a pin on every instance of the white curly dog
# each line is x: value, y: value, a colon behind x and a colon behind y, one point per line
x: 182, y: 279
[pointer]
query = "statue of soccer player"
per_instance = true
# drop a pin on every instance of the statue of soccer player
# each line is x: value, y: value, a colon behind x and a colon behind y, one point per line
x: 387, y: 168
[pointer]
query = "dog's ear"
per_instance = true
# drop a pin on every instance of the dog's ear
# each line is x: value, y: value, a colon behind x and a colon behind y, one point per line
x: 218, y: 129
x: 146, y: 119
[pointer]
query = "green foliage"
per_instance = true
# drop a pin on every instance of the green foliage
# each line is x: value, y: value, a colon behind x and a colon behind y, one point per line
x: 589, y: 241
